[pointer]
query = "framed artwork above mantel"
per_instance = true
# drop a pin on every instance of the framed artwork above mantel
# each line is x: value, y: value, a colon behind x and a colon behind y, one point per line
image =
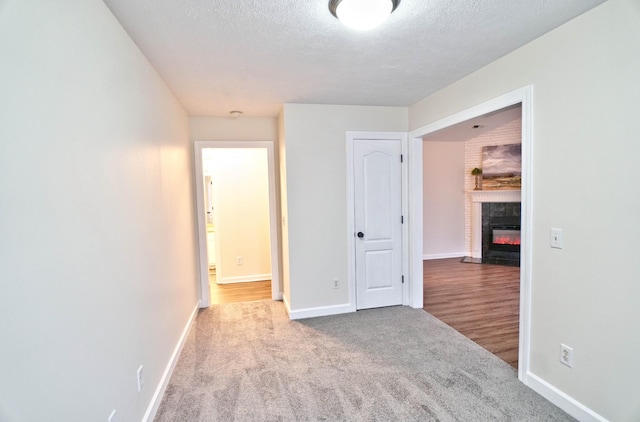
x: 502, y: 167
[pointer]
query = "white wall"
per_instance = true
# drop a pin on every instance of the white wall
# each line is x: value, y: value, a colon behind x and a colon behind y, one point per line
x: 585, y: 148
x: 443, y: 199
x: 241, y: 212
x: 316, y: 207
x: 233, y: 129
x: 97, y: 234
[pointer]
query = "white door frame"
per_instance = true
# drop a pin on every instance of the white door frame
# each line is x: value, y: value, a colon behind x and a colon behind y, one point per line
x: 203, y: 264
x: 409, y: 285
x: 522, y: 96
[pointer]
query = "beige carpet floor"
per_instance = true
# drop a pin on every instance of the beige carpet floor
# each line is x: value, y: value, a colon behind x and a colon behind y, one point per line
x: 249, y: 362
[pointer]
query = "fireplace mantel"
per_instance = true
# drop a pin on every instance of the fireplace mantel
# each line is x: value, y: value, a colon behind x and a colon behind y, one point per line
x: 495, y: 196
x: 477, y: 198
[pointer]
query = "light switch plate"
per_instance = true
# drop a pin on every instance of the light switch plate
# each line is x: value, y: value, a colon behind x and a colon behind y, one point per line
x: 556, y: 238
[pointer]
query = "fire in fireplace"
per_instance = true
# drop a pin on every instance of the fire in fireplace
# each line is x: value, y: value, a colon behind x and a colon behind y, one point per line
x: 502, y: 236
x: 505, y: 237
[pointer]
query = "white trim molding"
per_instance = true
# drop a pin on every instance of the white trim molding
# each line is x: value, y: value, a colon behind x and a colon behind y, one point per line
x: 244, y: 278
x: 443, y: 255
x: 152, y: 409
x: 496, y: 196
x: 414, y: 219
x: 563, y: 400
x: 319, y: 311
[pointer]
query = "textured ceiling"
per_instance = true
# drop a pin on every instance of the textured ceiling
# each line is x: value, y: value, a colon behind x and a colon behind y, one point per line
x: 255, y: 55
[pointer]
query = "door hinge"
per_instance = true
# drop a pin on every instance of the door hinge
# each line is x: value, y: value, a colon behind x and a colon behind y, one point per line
x: 401, y: 158
x: 402, y: 279
x: 402, y: 219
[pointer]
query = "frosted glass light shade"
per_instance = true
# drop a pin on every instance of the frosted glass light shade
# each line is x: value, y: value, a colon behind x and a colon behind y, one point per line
x: 362, y: 15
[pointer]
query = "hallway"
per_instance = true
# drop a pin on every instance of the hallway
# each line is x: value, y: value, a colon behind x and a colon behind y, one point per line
x: 238, y: 292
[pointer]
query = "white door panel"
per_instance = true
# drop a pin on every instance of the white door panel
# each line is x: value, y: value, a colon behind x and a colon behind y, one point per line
x: 378, y: 213
x: 378, y: 265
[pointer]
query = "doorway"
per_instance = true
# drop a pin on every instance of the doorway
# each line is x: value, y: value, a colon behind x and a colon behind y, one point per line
x: 378, y: 221
x: 237, y: 221
x: 524, y: 97
x: 476, y: 295
x: 376, y: 233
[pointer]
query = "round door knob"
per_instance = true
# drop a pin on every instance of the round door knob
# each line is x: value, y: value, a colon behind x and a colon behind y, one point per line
x: 360, y: 235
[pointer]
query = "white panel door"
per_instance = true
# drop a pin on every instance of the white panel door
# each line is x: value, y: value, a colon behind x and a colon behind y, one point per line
x: 378, y: 224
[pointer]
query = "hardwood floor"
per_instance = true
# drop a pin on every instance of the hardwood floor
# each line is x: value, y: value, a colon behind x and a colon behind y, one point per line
x: 481, y: 301
x: 238, y: 292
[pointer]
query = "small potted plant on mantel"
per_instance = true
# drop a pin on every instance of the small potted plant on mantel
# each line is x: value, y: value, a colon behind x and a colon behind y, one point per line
x: 477, y: 173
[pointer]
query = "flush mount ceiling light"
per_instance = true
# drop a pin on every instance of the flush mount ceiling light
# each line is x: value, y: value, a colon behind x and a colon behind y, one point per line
x: 362, y: 15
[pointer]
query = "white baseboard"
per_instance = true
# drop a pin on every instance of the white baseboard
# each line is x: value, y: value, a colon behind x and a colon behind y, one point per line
x: 319, y: 311
x: 150, y: 414
x: 244, y: 278
x: 445, y: 255
x: 562, y: 400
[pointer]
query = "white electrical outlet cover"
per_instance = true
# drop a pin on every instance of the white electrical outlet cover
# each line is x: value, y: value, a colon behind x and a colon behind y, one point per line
x: 566, y: 355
